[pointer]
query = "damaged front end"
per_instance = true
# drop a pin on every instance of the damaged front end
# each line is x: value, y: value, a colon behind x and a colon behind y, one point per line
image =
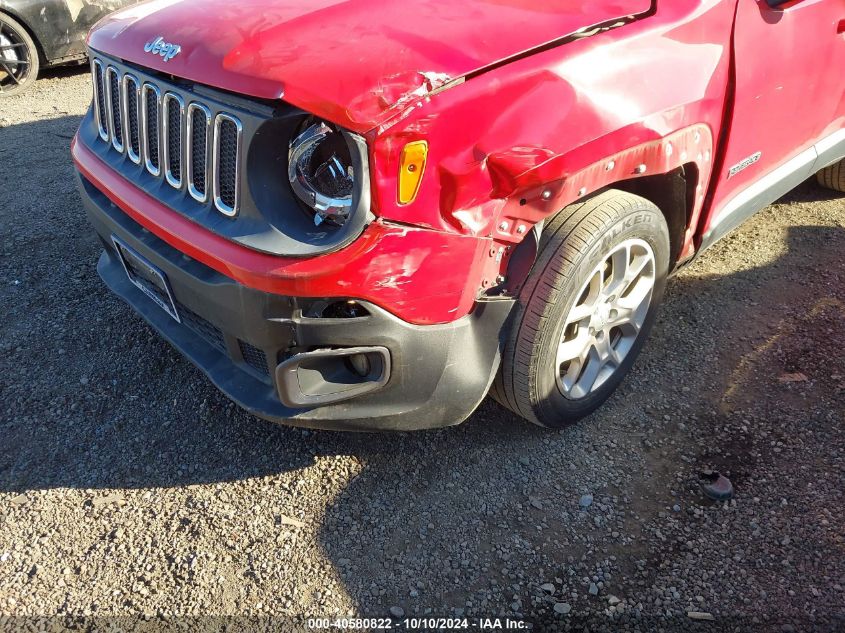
x: 330, y: 243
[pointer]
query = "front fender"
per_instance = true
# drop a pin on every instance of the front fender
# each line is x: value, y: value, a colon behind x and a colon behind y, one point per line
x: 514, y: 145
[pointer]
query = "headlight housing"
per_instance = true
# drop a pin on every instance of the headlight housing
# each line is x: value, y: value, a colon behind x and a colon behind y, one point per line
x: 321, y: 171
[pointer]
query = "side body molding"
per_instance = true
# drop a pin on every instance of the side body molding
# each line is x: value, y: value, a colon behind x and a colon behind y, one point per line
x: 773, y: 185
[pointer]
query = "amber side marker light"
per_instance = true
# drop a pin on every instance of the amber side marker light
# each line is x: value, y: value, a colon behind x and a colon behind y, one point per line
x: 411, y: 169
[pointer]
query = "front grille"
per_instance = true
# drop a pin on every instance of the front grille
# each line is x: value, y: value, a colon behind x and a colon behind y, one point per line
x: 151, y: 103
x: 195, y: 150
x: 100, y: 99
x: 173, y: 112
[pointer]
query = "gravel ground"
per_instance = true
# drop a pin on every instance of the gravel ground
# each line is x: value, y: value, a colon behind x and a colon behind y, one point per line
x: 130, y: 487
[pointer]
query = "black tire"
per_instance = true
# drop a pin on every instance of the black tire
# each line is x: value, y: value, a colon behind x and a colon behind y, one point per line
x: 19, y: 62
x: 573, y: 246
x: 833, y: 177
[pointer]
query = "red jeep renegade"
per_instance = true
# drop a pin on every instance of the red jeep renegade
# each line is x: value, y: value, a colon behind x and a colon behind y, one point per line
x: 368, y: 215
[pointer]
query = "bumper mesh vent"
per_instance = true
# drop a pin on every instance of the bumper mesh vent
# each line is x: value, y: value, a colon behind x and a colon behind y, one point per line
x: 254, y: 357
x: 203, y: 328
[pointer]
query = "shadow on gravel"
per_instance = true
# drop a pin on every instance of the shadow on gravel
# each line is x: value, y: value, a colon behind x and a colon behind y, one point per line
x: 444, y: 516
x: 92, y: 398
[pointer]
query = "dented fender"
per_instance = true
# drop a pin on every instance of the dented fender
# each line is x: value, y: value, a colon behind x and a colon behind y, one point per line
x: 511, y: 147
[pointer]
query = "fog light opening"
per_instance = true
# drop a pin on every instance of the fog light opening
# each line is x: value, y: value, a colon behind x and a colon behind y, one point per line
x: 325, y: 376
x: 359, y: 364
x: 344, y: 310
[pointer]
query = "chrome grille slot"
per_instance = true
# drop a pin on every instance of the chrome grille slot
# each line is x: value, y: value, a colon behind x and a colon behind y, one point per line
x: 150, y: 127
x: 131, y: 92
x: 196, y: 147
x: 228, y: 134
x: 174, y: 110
x: 114, y: 108
x: 100, y: 99
x: 199, y: 128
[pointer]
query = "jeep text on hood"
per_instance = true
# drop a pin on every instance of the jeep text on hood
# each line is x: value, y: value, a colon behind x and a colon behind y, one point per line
x: 349, y: 62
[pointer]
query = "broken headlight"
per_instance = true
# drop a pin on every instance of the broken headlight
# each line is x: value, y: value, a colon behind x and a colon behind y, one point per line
x: 321, y: 172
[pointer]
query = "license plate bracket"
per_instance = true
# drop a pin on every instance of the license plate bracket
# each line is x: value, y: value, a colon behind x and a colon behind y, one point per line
x: 147, y: 277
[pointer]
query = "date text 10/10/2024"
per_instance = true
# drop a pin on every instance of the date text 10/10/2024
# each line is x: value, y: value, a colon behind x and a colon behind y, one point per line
x: 482, y: 624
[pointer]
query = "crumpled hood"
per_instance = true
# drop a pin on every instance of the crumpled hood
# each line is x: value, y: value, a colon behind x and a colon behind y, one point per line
x: 350, y: 61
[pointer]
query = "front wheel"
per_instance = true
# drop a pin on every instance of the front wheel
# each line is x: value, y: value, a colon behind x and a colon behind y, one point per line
x: 586, y: 308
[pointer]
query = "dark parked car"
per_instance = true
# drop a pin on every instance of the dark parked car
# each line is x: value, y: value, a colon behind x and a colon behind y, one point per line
x: 39, y: 33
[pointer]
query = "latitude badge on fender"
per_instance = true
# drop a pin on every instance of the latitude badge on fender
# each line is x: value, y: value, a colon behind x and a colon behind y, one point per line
x: 159, y: 47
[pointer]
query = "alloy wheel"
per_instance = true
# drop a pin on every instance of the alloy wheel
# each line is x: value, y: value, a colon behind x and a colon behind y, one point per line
x: 606, y: 319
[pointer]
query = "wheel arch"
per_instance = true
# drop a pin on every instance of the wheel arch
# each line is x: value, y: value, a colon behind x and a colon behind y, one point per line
x: 674, y: 194
x: 677, y: 193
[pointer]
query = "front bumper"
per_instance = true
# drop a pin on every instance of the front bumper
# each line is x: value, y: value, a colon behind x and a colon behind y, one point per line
x: 435, y: 375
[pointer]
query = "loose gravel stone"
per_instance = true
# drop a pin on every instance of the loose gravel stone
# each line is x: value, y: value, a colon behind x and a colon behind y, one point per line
x: 698, y: 615
x: 562, y: 608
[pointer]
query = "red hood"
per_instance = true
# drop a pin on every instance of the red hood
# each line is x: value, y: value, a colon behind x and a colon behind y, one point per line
x: 349, y: 61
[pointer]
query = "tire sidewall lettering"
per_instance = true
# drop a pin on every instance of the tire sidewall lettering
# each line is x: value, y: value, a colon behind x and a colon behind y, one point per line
x: 612, y: 236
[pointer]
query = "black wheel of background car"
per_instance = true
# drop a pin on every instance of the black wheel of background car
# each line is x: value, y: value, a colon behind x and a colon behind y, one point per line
x: 586, y: 308
x: 18, y: 57
x: 833, y: 177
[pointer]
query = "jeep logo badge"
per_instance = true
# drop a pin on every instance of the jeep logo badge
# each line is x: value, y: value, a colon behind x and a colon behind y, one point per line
x: 159, y: 47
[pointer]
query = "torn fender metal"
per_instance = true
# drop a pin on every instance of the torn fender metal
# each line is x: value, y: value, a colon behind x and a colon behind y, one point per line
x: 691, y: 146
x: 538, y: 191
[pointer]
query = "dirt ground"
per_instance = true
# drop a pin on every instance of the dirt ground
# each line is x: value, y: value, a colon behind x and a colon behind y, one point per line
x: 130, y: 488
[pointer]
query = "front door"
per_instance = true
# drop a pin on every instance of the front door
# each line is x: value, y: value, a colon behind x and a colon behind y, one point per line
x: 790, y: 84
